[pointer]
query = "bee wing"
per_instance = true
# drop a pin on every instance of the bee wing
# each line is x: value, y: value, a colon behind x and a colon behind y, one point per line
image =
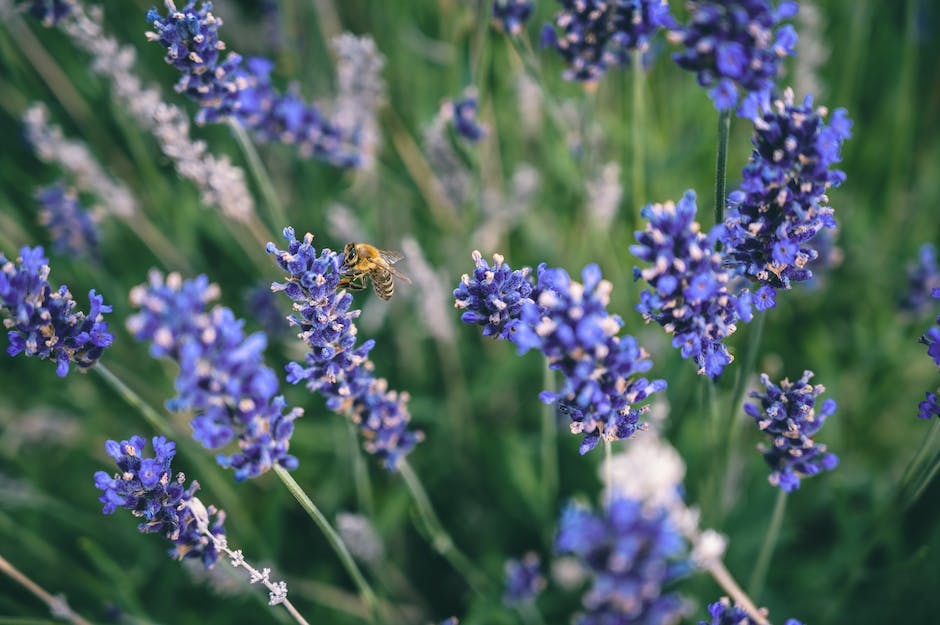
x: 399, y: 274
x: 390, y: 256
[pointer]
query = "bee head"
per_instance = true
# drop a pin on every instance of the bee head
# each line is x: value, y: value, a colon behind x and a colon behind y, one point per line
x: 349, y: 253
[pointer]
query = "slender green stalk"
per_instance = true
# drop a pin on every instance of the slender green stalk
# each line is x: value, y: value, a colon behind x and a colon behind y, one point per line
x: 57, y: 604
x: 549, y: 451
x: 365, y: 591
x: 360, y: 472
x: 925, y: 443
x: 151, y: 416
x: 759, y: 575
x: 721, y: 164
x: 734, y: 423
x: 637, y: 125
x: 608, y: 472
x: 260, y: 173
x: 929, y: 474
x: 440, y: 539
x: 723, y: 577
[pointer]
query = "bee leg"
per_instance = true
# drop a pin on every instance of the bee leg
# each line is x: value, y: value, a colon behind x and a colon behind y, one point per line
x: 356, y: 282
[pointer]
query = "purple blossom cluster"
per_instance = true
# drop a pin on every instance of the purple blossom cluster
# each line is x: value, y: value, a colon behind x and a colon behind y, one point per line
x: 493, y: 297
x: 689, y: 296
x: 43, y: 322
x: 633, y: 554
x: 930, y: 407
x: 510, y: 16
x: 165, y: 505
x: 524, y: 579
x: 336, y: 367
x: 231, y: 88
x: 222, y: 378
x: 922, y: 278
x: 462, y: 112
x: 732, y: 44
x: 569, y: 323
x: 593, y: 35
x: 73, y: 230
x: 787, y: 415
x: 782, y: 202
x: 49, y: 12
x: 723, y: 613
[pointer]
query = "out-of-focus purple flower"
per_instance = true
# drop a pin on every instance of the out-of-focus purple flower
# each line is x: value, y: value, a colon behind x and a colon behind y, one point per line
x: 723, y: 613
x: 231, y: 88
x: 732, y: 44
x: 922, y: 278
x: 510, y: 16
x: 569, y: 323
x: 493, y: 297
x: 148, y: 488
x: 73, y: 230
x: 930, y: 407
x: 49, y: 12
x: 462, y: 113
x: 593, y: 35
x: 633, y: 555
x: 262, y: 307
x: 524, y: 579
x: 787, y: 414
x: 690, y: 296
x: 782, y: 202
x: 44, y: 322
x: 222, y: 379
x: 335, y: 366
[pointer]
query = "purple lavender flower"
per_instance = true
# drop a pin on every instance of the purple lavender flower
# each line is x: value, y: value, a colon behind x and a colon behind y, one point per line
x: 462, y: 113
x: 222, y: 378
x: 781, y: 204
x: 735, y: 43
x: 230, y: 88
x: 193, y: 47
x: 511, y: 15
x: 569, y: 323
x: 690, y: 296
x: 930, y: 407
x: 494, y: 296
x: 787, y: 414
x: 524, y: 579
x: 73, y: 230
x: 597, y: 34
x: 147, y: 487
x: 262, y: 306
x: 44, y: 322
x: 922, y: 278
x: 49, y: 12
x: 335, y: 366
x: 723, y: 613
x: 633, y: 554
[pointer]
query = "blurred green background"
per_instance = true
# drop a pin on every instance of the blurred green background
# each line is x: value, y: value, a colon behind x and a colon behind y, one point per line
x: 851, y: 549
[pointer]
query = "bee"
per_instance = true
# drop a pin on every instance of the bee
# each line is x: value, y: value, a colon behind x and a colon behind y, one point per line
x: 361, y: 261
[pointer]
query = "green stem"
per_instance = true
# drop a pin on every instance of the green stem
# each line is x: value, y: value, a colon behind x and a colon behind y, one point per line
x: 360, y: 472
x: 260, y: 173
x: 759, y: 576
x: 56, y: 603
x: 930, y: 473
x: 608, y: 472
x: 721, y: 164
x: 918, y: 457
x: 365, y: 591
x: 637, y: 125
x: 549, y: 445
x: 734, y: 424
x: 151, y: 416
x: 440, y: 539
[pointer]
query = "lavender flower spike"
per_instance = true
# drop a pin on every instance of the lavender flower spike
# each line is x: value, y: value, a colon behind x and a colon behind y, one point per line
x: 930, y: 407
x: 569, y: 323
x: 633, y: 554
x: 335, y: 366
x: 524, y: 579
x: 73, y: 228
x: 44, y: 322
x: 494, y: 296
x: 223, y: 378
x: 689, y: 295
x: 147, y: 487
x: 782, y: 202
x: 723, y: 613
x: 510, y: 16
x: 732, y: 44
x: 787, y: 414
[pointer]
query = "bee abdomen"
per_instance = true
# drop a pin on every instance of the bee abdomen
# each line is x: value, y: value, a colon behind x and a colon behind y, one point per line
x: 383, y: 284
